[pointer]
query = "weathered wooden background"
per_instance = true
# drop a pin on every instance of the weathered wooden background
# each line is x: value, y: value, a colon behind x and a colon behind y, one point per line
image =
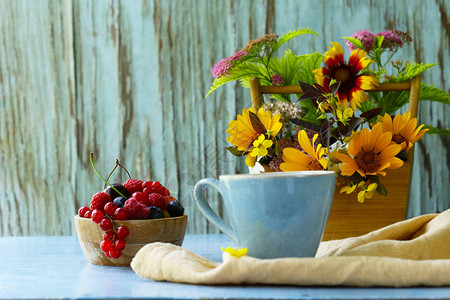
x: 127, y: 80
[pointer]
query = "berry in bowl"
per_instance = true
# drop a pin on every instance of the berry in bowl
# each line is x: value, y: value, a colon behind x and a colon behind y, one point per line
x: 125, y: 217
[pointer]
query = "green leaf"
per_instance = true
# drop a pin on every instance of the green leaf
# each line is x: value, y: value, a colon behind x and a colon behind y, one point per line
x: 287, y: 66
x: 239, y: 71
x: 381, y: 189
x: 432, y: 93
x: 433, y: 130
x: 291, y: 34
x: 311, y: 62
x: 233, y: 150
x: 357, y: 43
x: 411, y: 70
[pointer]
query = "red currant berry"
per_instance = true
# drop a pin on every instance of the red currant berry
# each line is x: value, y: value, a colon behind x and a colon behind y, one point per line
x: 97, y: 216
x: 115, y: 253
x: 88, y: 214
x: 120, y: 214
x: 109, y: 235
x: 119, y: 244
x: 110, y: 208
x: 108, y: 254
x: 83, y: 210
x: 147, y: 191
x: 122, y: 232
x: 106, y: 224
x: 106, y: 245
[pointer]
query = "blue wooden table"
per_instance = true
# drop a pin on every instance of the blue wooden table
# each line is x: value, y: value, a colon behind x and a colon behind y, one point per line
x: 55, y: 267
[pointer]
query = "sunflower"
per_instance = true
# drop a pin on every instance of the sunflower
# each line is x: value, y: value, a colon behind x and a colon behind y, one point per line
x: 370, y: 153
x: 403, y: 128
x: 295, y: 160
x: 351, y: 90
x: 243, y: 134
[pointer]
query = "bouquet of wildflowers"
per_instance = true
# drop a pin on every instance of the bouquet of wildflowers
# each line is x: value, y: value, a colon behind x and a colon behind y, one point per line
x: 334, y: 124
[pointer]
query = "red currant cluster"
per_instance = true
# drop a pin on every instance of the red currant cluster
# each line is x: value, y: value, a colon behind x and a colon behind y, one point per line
x: 148, y: 200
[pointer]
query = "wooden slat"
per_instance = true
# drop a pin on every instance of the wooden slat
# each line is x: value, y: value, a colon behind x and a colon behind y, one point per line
x: 127, y: 80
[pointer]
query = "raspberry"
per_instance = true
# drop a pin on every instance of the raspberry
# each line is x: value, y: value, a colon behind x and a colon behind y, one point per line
x: 151, y: 187
x: 133, y: 185
x: 135, y: 210
x: 99, y: 201
x: 141, y: 198
x: 157, y: 200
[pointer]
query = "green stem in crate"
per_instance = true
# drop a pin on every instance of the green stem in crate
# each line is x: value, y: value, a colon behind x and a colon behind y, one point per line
x: 95, y: 169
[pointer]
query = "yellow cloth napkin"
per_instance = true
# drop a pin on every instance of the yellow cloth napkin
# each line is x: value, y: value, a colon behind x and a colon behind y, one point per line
x: 409, y: 253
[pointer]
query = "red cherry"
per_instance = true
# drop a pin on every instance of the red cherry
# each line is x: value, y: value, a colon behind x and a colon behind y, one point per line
x: 106, y: 245
x: 122, y: 232
x: 97, y: 216
x: 119, y: 244
x: 83, y: 210
x: 120, y: 214
x: 109, y: 235
x: 115, y: 253
x: 110, y: 208
x: 106, y: 224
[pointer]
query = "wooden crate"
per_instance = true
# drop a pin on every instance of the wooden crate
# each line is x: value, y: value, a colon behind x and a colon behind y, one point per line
x: 349, y: 218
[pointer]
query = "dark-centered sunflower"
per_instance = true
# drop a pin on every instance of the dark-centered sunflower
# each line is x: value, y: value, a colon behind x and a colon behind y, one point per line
x: 352, y: 83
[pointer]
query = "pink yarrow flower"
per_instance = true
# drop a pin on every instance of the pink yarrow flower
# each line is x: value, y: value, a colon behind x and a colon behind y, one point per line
x: 365, y: 36
x: 390, y: 40
x: 277, y: 79
x: 222, y: 68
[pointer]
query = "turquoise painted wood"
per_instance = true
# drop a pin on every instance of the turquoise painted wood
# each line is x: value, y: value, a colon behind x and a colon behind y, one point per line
x: 43, y: 262
x: 127, y: 80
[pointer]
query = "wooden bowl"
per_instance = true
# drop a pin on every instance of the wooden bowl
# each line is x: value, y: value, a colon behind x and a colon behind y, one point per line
x: 142, y: 232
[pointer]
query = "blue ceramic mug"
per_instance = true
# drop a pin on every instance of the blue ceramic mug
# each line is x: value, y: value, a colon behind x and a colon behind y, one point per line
x: 281, y: 214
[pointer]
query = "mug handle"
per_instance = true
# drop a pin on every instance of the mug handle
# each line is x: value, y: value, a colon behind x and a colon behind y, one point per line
x: 204, y: 207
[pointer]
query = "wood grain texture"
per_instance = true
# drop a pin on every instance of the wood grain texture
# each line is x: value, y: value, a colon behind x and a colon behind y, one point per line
x: 127, y: 80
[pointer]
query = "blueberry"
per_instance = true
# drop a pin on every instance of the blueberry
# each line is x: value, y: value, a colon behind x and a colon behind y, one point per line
x: 155, y: 213
x: 175, y: 209
x: 120, y: 201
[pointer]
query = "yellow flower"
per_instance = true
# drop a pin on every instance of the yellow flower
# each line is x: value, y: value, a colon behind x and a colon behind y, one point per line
x: 348, y: 189
x: 351, y: 91
x: 260, y: 146
x: 403, y: 129
x: 366, y: 191
x: 236, y: 252
x: 370, y: 153
x: 295, y: 160
x: 344, y: 114
x: 241, y: 131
